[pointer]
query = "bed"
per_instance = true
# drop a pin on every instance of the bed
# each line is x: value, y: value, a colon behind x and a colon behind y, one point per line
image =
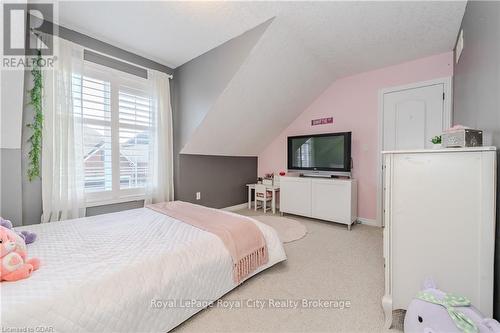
x: 135, y: 270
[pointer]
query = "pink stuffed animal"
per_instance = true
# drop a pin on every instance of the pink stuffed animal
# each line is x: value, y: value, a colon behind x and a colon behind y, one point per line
x: 14, y: 265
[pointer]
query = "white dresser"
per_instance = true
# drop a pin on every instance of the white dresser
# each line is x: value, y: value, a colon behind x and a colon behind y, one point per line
x: 322, y: 198
x: 439, y: 215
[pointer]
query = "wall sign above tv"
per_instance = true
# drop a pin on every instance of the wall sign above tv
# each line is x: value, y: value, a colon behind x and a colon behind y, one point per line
x: 322, y: 121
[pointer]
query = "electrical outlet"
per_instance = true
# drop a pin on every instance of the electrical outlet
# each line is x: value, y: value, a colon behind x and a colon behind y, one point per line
x: 198, y: 195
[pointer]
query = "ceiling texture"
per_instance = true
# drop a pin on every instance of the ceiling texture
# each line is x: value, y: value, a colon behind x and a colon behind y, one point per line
x: 306, y: 47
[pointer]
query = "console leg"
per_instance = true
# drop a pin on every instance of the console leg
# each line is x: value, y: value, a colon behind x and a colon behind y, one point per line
x: 387, y: 306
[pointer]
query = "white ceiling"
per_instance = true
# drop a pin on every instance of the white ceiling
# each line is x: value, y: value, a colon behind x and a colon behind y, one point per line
x: 168, y: 32
x: 349, y: 36
x: 307, y: 46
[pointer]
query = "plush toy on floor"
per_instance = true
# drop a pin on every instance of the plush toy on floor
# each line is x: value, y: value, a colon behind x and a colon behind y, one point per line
x: 434, y: 311
x: 29, y: 237
x: 14, y: 264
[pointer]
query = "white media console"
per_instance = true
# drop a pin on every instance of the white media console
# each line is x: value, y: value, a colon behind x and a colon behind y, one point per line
x: 327, y: 199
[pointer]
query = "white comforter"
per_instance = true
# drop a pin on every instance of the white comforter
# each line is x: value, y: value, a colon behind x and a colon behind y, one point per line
x: 107, y: 273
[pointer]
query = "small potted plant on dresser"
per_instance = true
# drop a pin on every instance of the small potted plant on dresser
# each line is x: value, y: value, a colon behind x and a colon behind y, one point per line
x: 436, y: 142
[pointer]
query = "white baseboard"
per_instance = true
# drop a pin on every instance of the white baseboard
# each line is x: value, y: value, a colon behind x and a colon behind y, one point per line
x: 362, y: 220
x: 370, y: 222
x: 236, y: 207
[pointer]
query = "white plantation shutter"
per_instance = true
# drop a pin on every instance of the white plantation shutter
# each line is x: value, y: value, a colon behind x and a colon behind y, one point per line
x: 135, y: 122
x: 93, y: 96
x: 117, y: 115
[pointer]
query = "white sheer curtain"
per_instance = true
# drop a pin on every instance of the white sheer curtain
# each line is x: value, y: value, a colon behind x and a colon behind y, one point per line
x: 62, y: 151
x: 160, y: 181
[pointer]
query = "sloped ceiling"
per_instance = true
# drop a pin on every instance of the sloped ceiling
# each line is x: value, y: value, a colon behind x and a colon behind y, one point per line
x: 169, y: 32
x: 305, y: 48
x: 278, y: 80
x: 199, y: 83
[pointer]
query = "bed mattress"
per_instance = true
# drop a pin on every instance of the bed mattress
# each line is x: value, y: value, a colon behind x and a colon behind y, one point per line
x: 132, y: 271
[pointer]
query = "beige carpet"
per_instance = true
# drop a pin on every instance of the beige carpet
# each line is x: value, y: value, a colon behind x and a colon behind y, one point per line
x: 288, y: 230
x: 328, y: 263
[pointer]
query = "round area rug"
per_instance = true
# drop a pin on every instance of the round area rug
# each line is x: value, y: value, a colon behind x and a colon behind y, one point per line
x: 288, y: 230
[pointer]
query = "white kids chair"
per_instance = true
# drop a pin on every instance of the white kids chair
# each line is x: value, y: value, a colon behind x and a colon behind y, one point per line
x: 261, y: 194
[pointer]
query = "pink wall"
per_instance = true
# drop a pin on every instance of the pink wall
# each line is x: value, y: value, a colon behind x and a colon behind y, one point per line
x: 353, y: 103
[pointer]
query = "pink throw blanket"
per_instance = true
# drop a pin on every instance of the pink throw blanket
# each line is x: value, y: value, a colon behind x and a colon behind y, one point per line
x: 240, y: 235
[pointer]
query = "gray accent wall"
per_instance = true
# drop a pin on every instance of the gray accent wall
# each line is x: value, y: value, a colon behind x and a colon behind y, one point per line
x: 477, y: 89
x: 196, y: 87
x: 31, y: 190
x: 221, y: 180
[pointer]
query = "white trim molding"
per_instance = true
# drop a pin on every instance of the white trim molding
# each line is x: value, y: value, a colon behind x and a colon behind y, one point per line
x: 370, y: 222
x: 447, y: 83
x: 236, y: 207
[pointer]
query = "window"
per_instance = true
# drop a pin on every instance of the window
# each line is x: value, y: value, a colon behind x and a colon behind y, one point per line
x: 116, y: 110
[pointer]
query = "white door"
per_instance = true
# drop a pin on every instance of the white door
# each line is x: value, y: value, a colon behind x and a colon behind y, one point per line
x: 412, y: 117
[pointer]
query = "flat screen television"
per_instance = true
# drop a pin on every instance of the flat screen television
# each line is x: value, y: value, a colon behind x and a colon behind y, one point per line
x: 320, y: 152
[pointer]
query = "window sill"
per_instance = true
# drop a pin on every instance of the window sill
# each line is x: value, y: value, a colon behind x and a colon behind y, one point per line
x: 95, y: 203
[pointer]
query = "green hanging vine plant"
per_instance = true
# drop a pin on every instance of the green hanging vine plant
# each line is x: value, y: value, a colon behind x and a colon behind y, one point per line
x: 36, y: 126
